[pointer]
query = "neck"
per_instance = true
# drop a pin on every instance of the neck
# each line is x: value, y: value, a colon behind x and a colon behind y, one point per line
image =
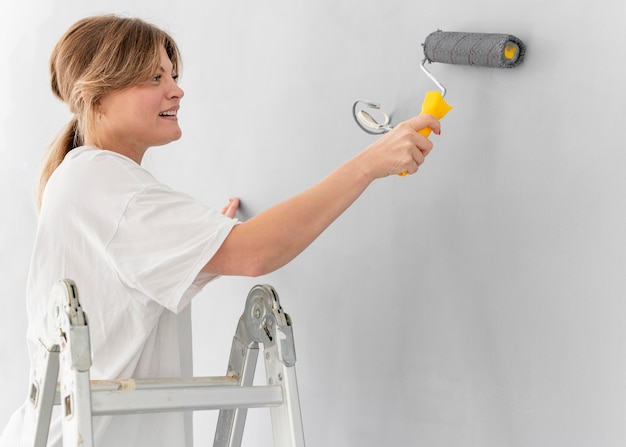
x: 126, y: 150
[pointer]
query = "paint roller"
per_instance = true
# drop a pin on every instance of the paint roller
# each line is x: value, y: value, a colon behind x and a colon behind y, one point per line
x: 479, y: 49
x: 485, y: 50
x: 459, y: 48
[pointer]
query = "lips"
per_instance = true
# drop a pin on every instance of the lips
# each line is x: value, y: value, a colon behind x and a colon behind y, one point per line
x: 168, y: 113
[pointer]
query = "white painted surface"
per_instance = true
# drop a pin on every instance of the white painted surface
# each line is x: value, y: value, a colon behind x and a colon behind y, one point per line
x: 479, y: 303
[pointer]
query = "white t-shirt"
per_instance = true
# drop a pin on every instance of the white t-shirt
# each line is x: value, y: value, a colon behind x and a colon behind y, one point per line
x: 135, y: 249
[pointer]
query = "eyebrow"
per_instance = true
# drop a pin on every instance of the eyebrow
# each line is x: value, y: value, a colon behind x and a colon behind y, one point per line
x: 163, y: 70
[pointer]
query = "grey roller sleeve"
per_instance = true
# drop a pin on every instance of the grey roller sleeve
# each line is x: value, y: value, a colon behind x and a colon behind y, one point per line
x: 486, y: 50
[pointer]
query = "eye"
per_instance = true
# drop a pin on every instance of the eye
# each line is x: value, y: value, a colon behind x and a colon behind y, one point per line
x: 175, y: 77
x: 157, y: 78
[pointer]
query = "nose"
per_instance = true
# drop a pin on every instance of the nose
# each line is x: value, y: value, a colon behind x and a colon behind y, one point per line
x: 175, y: 91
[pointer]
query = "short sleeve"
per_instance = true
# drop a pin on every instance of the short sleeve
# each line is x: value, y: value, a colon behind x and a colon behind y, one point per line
x: 163, y: 240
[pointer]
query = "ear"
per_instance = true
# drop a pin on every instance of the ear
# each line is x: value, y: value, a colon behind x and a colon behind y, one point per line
x: 88, y: 99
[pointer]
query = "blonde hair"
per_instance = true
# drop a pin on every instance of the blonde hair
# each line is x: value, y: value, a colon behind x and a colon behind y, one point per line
x: 95, y: 56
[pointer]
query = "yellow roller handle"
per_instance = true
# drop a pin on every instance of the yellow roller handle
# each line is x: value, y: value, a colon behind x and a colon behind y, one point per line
x: 434, y: 105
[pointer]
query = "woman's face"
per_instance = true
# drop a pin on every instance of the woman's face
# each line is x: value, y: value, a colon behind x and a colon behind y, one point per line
x: 145, y: 115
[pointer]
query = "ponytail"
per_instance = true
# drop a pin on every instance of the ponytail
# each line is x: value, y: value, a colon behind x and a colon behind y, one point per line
x: 68, y: 139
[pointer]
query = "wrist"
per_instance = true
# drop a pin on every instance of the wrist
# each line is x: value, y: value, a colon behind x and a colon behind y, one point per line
x: 362, y: 169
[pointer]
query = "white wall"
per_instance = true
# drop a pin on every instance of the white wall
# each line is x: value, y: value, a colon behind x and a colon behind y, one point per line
x: 479, y: 303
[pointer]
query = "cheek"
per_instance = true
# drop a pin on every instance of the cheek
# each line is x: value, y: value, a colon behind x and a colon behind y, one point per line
x: 135, y: 112
x: 139, y: 115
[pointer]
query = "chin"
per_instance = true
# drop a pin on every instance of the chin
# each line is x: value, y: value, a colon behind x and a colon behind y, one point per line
x: 170, y: 139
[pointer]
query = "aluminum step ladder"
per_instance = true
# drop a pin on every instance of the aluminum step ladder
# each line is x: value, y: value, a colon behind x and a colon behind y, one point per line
x: 64, y: 355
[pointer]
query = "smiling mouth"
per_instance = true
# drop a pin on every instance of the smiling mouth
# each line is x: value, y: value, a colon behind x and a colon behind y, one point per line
x: 168, y: 113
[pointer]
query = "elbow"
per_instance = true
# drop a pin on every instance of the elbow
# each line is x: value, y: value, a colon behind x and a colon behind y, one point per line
x: 243, y: 255
x: 254, y: 271
x: 256, y: 267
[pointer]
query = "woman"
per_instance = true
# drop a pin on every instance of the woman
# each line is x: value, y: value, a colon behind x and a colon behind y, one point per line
x: 138, y: 250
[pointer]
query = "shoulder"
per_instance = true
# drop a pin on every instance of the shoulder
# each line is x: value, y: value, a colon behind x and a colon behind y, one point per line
x: 99, y: 164
x: 91, y: 178
x: 98, y: 174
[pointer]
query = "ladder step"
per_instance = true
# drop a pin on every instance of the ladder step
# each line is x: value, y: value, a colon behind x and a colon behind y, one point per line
x: 180, y: 399
x: 176, y: 382
x: 132, y: 396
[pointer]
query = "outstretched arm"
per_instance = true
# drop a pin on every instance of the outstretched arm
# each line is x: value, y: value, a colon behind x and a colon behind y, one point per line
x: 274, y: 237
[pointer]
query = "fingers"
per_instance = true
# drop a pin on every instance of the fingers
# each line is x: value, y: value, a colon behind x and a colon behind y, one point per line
x: 424, y: 121
x: 418, y: 158
x: 231, y: 208
x: 402, y: 150
x: 418, y: 144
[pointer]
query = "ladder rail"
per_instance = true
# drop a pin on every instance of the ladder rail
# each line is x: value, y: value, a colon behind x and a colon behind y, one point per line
x: 41, y: 396
x: 242, y: 363
x: 286, y: 419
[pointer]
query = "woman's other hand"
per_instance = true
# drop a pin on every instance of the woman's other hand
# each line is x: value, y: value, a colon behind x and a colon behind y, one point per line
x: 231, y: 208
